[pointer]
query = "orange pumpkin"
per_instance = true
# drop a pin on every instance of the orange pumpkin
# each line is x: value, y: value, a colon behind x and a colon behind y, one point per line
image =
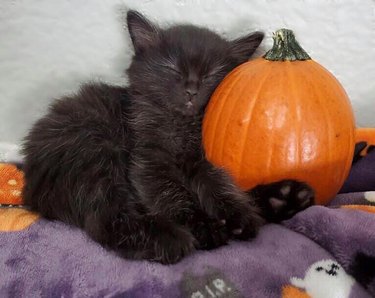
x: 282, y: 116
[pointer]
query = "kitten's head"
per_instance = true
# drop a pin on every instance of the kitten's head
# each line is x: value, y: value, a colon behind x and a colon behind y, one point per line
x: 180, y: 67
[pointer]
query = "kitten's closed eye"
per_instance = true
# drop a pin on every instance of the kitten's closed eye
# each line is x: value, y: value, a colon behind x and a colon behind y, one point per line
x: 207, y: 77
x: 213, y: 74
x: 173, y: 70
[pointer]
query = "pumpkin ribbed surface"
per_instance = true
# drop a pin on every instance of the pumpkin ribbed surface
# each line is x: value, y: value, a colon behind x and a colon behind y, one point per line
x: 274, y: 120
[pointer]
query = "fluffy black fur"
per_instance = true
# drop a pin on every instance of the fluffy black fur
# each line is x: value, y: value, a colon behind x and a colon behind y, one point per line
x: 127, y: 165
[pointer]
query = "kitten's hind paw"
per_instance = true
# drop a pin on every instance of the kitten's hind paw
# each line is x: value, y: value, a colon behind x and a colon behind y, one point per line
x: 281, y: 200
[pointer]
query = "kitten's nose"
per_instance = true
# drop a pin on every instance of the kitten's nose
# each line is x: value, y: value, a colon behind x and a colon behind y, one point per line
x: 191, y: 89
x: 191, y: 92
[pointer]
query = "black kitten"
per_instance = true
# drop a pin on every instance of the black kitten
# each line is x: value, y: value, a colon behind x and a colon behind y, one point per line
x: 127, y: 166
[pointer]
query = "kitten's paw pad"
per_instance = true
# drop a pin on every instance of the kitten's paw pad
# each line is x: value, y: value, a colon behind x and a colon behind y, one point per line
x: 286, y: 198
x: 305, y: 198
x: 172, y: 244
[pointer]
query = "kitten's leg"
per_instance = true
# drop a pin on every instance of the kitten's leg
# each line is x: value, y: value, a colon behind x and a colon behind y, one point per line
x: 281, y: 200
x: 158, y: 183
x: 163, y: 189
x: 220, y: 198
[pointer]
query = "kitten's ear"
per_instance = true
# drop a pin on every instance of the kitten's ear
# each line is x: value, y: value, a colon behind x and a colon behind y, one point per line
x: 244, y: 47
x: 143, y: 33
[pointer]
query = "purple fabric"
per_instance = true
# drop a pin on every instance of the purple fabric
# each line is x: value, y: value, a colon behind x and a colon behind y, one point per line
x: 50, y: 259
x: 362, y: 175
x: 322, y: 251
x: 353, y: 198
x: 344, y: 233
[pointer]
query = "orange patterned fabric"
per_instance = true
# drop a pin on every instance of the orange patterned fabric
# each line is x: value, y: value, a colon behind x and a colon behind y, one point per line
x: 293, y: 292
x: 11, y: 184
x: 16, y: 219
x: 365, y: 208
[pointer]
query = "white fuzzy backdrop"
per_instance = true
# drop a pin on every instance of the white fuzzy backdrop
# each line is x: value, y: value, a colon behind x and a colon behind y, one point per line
x: 49, y: 47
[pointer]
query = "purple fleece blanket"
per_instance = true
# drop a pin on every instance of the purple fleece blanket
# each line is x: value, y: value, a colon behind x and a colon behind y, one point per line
x: 320, y: 252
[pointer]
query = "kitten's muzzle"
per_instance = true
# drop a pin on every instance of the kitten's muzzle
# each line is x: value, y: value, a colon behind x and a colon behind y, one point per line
x: 191, y: 92
x: 191, y: 88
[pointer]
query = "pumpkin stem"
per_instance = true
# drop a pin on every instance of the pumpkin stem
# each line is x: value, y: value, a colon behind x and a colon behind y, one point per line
x: 285, y: 47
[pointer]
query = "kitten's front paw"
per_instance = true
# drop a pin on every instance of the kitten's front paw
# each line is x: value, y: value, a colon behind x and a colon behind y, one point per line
x: 234, y: 209
x: 243, y: 218
x: 210, y: 233
x: 281, y: 200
